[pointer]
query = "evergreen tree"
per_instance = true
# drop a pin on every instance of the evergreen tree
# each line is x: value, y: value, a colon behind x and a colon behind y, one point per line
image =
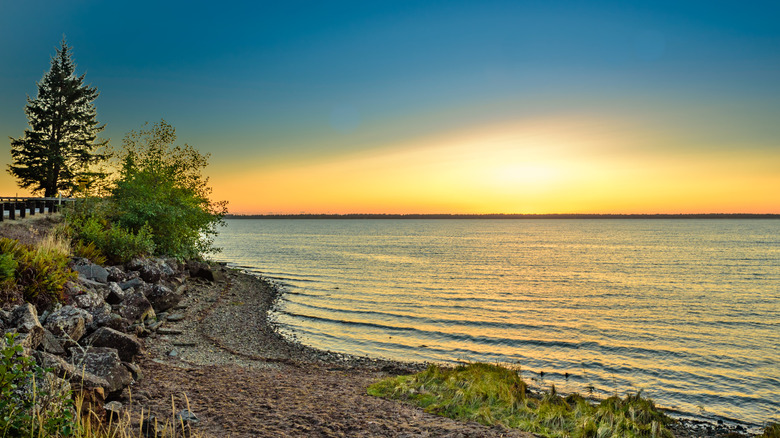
x: 61, y: 143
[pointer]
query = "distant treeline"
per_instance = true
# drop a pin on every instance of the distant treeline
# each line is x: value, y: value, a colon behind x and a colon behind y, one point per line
x: 506, y: 216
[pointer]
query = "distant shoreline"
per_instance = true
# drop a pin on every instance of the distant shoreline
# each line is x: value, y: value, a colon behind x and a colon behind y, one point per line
x: 507, y: 216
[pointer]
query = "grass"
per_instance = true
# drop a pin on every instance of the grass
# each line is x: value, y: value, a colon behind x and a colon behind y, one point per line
x: 88, y: 424
x: 494, y: 395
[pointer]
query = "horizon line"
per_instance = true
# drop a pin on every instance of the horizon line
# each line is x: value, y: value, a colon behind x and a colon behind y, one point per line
x: 504, y: 216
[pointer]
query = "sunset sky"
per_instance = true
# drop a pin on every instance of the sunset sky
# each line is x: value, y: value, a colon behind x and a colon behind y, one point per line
x: 432, y: 107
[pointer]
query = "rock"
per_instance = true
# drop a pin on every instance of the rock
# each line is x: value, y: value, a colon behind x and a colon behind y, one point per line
x: 135, y: 306
x: 117, y: 323
x: 5, y: 318
x: 127, y: 346
x: 186, y: 421
x: 24, y: 318
x: 89, y: 299
x: 43, y: 316
x: 50, y: 343
x: 151, y: 270
x: 132, y: 283
x: 91, y: 271
x: 78, y: 377
x: 169, y: 331
x: 101, y: 316
x: 116, y: 274
x: 115, y: 293
x: 161, y: 297
x: 185, y: 415
x: 135, y: 370
x: 69, y: 322
x: 114, y: 411
x: 103, y: 363
x: 203, y: 270
x: 175, y: 317
x: 30, y: 340
x: 90, y: 284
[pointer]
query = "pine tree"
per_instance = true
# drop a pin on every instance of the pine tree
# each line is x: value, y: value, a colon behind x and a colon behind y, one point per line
x: 61, y: 143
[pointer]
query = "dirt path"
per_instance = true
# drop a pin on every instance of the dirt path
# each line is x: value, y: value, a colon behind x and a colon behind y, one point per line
x: 244, y: 380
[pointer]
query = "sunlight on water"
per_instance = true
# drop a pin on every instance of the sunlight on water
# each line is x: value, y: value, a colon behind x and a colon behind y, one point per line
x: 686, y: 310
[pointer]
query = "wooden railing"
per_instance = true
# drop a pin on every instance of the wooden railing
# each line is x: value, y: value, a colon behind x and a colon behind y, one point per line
x: 22, y: 206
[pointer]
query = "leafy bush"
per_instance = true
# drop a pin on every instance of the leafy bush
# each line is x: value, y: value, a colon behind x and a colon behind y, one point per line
x: 115, y: 243
x: 31, y: 403
x: 160, y: 186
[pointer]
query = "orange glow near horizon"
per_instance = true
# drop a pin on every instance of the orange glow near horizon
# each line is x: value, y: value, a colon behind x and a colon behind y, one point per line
x: 539, y: 168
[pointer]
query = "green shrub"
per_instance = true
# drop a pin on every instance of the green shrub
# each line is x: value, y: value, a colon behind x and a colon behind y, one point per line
x: 117, y: 244
x: 31, y: 404
x: 160, y: 186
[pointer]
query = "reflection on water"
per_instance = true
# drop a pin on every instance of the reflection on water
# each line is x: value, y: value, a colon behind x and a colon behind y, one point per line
x: 686, y: 310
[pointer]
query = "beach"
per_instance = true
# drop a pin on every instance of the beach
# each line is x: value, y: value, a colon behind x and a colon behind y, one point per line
x: 243, y: 379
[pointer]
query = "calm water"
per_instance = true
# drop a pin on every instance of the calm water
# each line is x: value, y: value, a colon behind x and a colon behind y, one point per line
x: 686, y: 310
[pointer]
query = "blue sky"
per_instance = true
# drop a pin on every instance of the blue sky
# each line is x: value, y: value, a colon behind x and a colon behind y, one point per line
x: 283, y: 83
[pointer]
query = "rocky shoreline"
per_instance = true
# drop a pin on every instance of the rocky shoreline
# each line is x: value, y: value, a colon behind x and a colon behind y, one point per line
x: 193, y: 342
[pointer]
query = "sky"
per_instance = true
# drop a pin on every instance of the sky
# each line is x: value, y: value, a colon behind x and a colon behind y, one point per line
x: 431, y: 107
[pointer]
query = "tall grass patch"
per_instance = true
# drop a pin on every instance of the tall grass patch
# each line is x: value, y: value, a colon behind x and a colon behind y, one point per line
x: 495, y: 395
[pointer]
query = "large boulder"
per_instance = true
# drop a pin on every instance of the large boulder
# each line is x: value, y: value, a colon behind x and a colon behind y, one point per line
x: 127, y: 346
x: 103, y: 363
x: 135, y: 306
x: 161, y: 297
x: 151, y: 270
x: 205, y: 271
x: 69, y: 322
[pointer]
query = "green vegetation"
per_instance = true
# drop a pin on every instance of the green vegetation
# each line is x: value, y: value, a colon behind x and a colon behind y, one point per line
x: 39, y: 272
x: 492, y: 395
x: 159, y: 203
x: 99, y: 239
x: 89, y: 251
x: 771, y: 431
x: 59, y: 148
x: 161, y: 187
x: 32, y: 403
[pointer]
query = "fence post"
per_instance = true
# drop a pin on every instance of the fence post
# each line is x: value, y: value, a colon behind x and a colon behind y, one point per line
x: 2, y: 211
x: 12, y: 211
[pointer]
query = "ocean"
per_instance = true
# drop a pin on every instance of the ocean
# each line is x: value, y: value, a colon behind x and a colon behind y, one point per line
x: 687, y: 311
